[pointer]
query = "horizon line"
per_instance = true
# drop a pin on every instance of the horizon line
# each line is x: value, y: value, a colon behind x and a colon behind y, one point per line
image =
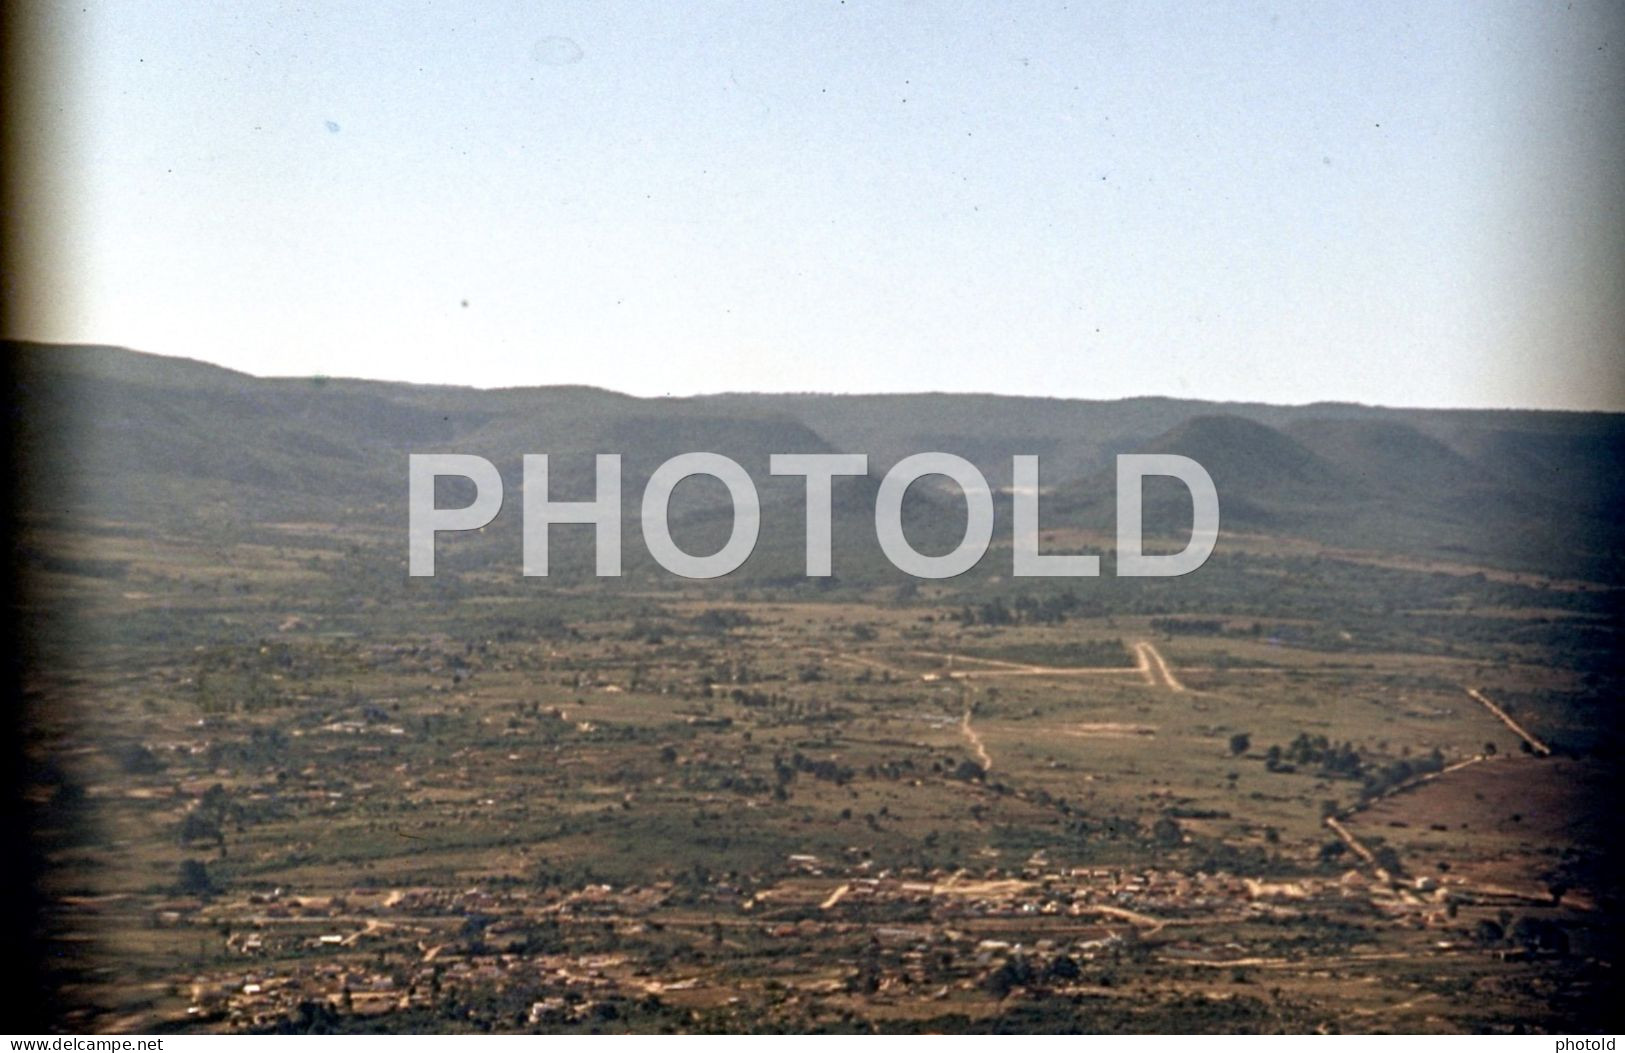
x: 90, y: 345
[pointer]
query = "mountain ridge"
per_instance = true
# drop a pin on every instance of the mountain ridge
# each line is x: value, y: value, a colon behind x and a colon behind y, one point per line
x: 149, y: 438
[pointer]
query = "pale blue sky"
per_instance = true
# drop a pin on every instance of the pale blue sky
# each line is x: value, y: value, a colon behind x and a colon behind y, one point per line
x: 1414, y: 204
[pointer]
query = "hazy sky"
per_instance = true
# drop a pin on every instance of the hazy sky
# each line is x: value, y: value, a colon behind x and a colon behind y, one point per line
x: 1406, y: 203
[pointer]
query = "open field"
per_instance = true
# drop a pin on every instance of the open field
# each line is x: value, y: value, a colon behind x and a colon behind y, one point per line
x: 274, y: 804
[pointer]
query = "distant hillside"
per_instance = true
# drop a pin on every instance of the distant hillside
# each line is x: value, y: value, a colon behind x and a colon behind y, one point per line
x: 1388, y: 454
x: 141, y: 438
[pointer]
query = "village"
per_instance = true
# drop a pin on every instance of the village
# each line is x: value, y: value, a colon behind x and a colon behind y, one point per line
x: 934, y: 936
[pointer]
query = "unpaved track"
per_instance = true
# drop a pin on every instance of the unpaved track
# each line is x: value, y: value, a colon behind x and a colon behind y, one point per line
x: 1003, y: 667
x: 1517, y: 729
x: 1149, y: 664
x: 1146, y: 921
x: 1349, y: 839
x: 975, y: 740
x: 1153, y: 659
x: 1036, y: 670
x: 862, y: 661
x: 951, y: 658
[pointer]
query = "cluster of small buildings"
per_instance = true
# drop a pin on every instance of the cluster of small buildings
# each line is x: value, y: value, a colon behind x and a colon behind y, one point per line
x: 375, y: 950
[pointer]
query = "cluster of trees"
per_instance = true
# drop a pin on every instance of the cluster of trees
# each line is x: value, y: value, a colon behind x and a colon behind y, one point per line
x: 194, y: 879
x: 264, y: 747
x: 1194, y: 626
x: 1535, y: 935
x: 720, y: 619
x: 1401, y: 771
x: 1342, y: 760
x: 827, y: 770
x: 1020, y: 971
x: 790, y: 710
x: 1108, y: 827
x: 1050, y: 609
x: 136, y: 759
x: 1106, y: 653
x: 206, y: 822
x: 1332, y: 759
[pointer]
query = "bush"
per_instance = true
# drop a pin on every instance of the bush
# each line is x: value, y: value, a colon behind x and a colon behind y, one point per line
x: 194, y: 878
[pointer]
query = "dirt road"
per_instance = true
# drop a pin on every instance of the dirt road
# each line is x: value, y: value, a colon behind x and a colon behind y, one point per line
x: 1354, y: 843
x: 982, y: 756
x: 1517, y: 729
x: 1150, y: 659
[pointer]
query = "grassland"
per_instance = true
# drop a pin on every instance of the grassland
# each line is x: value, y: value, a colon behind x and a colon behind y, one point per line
x: 285, y: 788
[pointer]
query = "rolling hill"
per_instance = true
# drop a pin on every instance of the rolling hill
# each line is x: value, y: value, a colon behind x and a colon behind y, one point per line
x: 175, y: 444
